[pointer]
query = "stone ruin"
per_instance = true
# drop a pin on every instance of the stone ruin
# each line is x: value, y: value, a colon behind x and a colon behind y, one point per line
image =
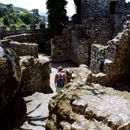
x: 10, y: 75
x: 83, y: 106
x: 89, y: 108
x: 101, y: 41
x: 35, y: 68
x: 22, y: 70
x: 22, y: 29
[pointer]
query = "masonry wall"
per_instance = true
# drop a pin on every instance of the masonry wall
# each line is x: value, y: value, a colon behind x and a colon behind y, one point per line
x: 118, y: 23
x: 116, y: 58
x: 13, y: 31
x: 40, y: 38
x: 35, y: 75
x: 61, y: 46
x: 75, y: 42
x: 100, y: 8
x: 35, y: 69
x: 23, y: 49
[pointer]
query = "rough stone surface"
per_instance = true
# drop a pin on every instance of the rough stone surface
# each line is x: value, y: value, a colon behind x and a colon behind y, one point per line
x: 101, y: 8
x: 35, y: 68
x: 59, y: 50
x: 101, y: 41
x: 37, y: 111
x: 24, y: 49
x: 115, y: 56
x: 10, y: 75
x: 89, y: 107
x: 75, y: 43
x: 35, y: 74
x: 42, y: 39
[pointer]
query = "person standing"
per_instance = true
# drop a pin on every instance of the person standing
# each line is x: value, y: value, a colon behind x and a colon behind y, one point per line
x: 60, y: 79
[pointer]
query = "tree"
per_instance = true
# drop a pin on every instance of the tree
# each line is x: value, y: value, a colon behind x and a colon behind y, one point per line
x: 56, y: 15
x: 15, y: 15
x: 6, y: 21
x: 78, y: 10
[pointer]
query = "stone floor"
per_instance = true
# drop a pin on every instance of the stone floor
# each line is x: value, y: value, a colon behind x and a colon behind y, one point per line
x: 90, y: 108
x: 37, y: 104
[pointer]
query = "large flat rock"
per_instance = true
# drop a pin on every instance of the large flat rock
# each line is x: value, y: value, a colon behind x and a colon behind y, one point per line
x: 90, y: 107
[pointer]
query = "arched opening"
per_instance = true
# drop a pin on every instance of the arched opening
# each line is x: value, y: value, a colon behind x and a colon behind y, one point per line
x: 70, y: 8
x: 78, y: 10
x: 127, y: 1
x: 74, y: 10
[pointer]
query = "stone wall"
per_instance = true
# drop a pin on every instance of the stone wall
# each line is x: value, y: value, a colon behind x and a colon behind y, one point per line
x: 59, y: 50
x: 36, y: 34
x: 23, y: 49
x: 94, y: 8
x: 115, y: 56
x: 23, y: 29
x: 113, y: 10
x: 42, y: 39
x: 35, y: 74
x: 119, y: 21
x: 10, y: 75
x: 35, y: 68
x: 75, y: 43
x: 127, y: 8
x: 61, y: 46
x: 101, y: 8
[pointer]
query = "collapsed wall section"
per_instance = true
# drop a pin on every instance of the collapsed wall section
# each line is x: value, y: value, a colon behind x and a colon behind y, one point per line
x: 114, y: 61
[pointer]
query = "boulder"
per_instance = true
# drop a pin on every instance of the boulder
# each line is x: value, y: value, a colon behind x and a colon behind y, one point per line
x: 10, y: 75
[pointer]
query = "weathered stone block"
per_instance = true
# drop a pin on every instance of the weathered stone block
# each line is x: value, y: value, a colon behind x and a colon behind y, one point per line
x: 10, y: 75
x: 35, y: 74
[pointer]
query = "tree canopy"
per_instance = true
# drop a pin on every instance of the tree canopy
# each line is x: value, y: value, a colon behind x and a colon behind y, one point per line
x: 56, y: 15
x: 14, y: 15
x: 78, y: 9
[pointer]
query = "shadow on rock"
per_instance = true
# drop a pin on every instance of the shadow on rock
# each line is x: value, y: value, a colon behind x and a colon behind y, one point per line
x: 48, y: 90
x: 14, y: 114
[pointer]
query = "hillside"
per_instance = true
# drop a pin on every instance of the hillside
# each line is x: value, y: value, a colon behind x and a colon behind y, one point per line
x: 15, y: 15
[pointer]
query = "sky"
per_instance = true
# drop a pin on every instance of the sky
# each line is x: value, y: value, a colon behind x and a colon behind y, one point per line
x: 38, y: 4
x: 127, y: 0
